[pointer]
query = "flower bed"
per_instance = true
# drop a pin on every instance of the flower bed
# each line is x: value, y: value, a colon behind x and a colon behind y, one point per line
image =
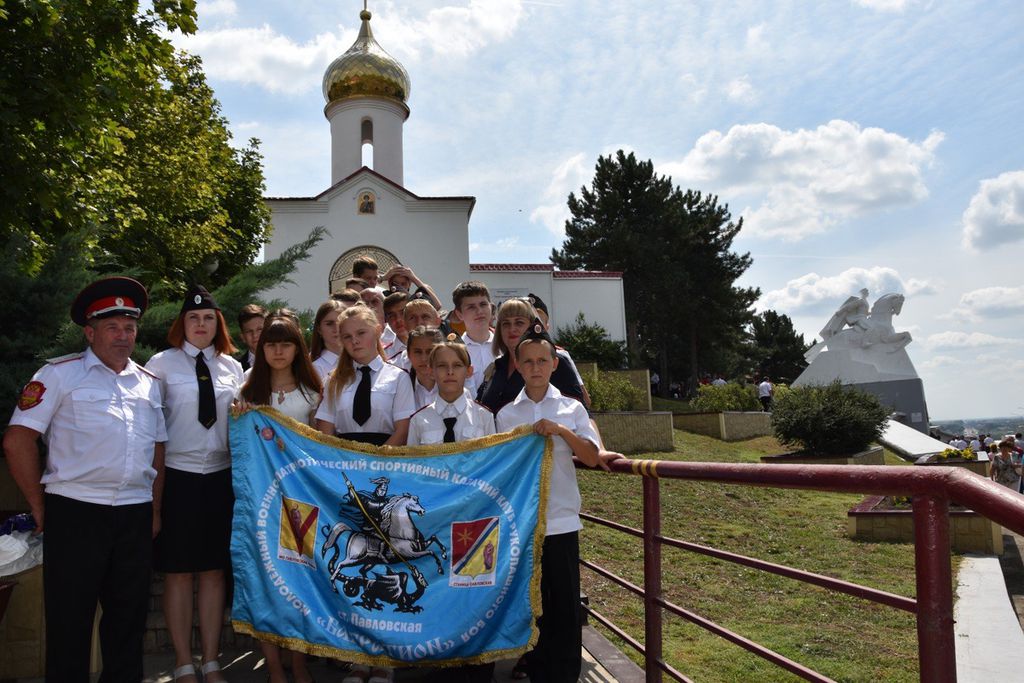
x: 878, y: 518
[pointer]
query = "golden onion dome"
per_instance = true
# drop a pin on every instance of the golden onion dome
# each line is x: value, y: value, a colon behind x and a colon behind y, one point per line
x: 366, y: 69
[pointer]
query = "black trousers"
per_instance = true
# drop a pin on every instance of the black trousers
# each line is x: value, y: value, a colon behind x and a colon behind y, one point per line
x: 558, y: 656
x: 95, y: 553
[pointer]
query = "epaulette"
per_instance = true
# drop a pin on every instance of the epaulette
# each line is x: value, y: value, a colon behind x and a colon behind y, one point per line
x: 148, y: 372
x: 388, y: 346
x: 483, y: 406
x: 489, y: 372
x: 390, y: 358
x: 65, y: 358
x: 419, y: 410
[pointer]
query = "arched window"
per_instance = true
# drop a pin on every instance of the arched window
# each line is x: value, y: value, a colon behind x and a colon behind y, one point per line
x: 367, y: 142
x: 342, y: 268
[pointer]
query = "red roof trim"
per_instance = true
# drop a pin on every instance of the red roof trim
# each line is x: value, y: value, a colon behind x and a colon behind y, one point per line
x: 570, y: 274
x: 510, y: 267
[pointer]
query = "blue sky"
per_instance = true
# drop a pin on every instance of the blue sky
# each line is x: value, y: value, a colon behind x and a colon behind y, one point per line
x: 871, y: 143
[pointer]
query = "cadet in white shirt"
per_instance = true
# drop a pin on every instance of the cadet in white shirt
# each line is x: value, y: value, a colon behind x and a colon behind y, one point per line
x: 100, y: 415
x: 421, y: 342
x: 556, y: 657
x: 472, y: 305
x: 453, y: 416
x: 325, y: 345
x: 366, y: 399
x: 200, y: 380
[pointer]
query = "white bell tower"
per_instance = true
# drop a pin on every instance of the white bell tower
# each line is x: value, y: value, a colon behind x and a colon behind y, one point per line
x: 366, y: 90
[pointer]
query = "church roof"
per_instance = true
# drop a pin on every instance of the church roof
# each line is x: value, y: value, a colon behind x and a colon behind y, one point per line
x: 371, y: 172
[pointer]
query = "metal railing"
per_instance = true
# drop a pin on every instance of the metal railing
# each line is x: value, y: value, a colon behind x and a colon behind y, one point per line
x: 932, y: 489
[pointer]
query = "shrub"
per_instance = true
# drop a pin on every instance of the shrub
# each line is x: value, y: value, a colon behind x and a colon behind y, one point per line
x: 609, y: 391
x: 731, y: 396
x: 590, y: 342
x: 830, y: 419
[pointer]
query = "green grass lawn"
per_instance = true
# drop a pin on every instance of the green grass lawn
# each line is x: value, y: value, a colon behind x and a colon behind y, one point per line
x: 843, y: 637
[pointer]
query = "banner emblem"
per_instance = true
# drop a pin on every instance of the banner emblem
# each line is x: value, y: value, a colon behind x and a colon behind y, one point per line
x: 474, y: 549
x: 297, y: 534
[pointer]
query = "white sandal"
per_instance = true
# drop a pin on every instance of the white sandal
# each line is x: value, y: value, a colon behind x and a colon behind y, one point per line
x: 209, y: 668
x: 357, y: 674
x: 184, y: 670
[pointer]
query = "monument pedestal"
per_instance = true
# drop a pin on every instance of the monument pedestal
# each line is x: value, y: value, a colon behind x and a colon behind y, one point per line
x: 905, y: 397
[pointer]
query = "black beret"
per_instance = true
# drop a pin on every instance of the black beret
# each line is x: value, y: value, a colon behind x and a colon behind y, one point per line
x: 538, y: 303
x: 198, y: 298
x: 108, y: 297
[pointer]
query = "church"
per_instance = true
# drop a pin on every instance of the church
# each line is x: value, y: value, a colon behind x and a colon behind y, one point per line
x: 368, y: 209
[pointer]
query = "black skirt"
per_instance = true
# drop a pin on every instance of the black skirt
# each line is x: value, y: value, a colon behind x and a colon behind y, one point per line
x: 195, y: 531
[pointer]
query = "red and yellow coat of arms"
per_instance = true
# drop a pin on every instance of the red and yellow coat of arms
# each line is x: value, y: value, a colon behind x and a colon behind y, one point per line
x: 31, y: 395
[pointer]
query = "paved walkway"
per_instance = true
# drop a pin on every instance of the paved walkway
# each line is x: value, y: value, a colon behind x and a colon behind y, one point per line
x: 247, y: 666
x: 989, y: 639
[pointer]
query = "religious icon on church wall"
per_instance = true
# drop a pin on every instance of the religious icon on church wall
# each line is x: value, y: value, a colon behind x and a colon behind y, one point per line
x: 367, y: 203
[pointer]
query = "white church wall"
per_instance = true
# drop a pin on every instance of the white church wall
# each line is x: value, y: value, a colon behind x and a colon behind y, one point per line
x: 600, y: 300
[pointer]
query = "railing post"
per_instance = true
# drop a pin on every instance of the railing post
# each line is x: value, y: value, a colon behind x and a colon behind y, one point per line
x: 652, y: 579
x: 936, y: 644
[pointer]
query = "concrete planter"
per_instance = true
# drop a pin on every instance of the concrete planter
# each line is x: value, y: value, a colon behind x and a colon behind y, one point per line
x: 872, y: 456
x: 981, y: 467
x: 969, y: 532
x: 732, y: 425
x: 636, y: 432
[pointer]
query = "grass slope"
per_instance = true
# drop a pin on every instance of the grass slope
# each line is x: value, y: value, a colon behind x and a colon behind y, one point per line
x: 843, y: 637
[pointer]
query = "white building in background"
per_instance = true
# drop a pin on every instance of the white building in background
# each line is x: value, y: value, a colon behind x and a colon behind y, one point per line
x: 370, y: 211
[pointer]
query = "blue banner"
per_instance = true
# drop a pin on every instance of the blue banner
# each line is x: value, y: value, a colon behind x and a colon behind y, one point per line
x: 387, y: 556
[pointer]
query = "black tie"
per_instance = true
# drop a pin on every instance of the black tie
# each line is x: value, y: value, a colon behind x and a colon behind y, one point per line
x: 207, y: 402
x: 361, y: 407
x: 449, y: 429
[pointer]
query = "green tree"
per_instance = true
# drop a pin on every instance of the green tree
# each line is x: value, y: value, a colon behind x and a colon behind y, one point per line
x: 776, y: 349
x: 590, y: 342
x: 674, y: 250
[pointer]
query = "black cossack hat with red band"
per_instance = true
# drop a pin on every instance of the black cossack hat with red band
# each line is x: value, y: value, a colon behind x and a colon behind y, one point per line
x: 108, y: 297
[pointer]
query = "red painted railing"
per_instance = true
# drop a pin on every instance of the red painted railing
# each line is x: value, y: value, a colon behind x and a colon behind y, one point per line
x: 932, y: 488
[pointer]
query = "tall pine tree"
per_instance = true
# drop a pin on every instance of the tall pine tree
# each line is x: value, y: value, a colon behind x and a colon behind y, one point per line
x: 674, y: 250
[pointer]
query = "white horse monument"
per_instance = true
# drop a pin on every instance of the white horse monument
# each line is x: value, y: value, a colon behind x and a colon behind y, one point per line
x: 860, y: 347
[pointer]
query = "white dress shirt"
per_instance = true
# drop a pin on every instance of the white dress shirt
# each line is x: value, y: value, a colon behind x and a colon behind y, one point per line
x: 563, y: 495
x: 325, y: 364
x: 391, y: 399
x: 472, y: 420
x: 480, y: 357
x: 191, y: 447
x: 401, y: 360
x: 424, y: 396
x: 387, y: 336
x: 100, y: 427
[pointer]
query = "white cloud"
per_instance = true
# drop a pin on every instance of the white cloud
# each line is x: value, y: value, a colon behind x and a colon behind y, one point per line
x: 988, y: 301
x: 965, y: 340
x: 940, y: 362
x: 885, y: 5
x: 812, y: 293
x: 995, y: 215
x: 756, y: 41
x: 740, y: 91
x: 217, y: 8
x: 263, y: 57
x: 567, y: 177
x: 809, y: 180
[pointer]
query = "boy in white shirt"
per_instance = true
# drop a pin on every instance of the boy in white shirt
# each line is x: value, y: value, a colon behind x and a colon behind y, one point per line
x: 472, y: 301
x: 556, y: 656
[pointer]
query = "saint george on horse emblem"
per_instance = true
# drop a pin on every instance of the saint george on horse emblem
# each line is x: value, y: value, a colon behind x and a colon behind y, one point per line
x: 377, y: 529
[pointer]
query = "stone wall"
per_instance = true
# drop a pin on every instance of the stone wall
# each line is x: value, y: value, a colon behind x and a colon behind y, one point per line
x: 640, y: 432
x: 727, y: 426
x: 969, y: 532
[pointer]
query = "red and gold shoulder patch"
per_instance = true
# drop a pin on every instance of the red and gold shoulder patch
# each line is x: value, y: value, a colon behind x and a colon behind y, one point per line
x: 31, y: 395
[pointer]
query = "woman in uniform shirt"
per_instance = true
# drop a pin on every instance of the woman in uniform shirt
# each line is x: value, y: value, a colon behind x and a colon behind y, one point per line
x: 366, y: 399
x: 200, y: 380
x: 282, y: 377
x: 505, y: 382
x: 325, y: 345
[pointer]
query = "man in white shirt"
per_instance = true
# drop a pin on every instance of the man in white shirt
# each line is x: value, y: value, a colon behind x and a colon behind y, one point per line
x: 99, y: 499
x: 765, y: 391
